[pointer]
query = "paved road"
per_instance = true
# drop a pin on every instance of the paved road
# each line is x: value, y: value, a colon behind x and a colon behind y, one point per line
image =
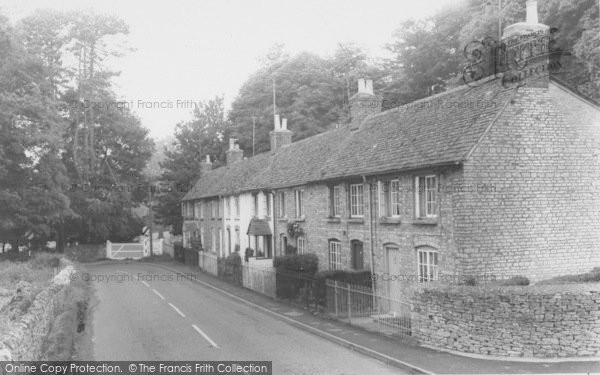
x: 174, y: 319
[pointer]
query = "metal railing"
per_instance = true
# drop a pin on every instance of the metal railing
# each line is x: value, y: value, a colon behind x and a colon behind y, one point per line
x: 359, y: 306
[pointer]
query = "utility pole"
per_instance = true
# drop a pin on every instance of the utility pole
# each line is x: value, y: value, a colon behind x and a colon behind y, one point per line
x: 253, y: 132
x: 499, y: 20
x: 274, y: 102
x: 151, y: 216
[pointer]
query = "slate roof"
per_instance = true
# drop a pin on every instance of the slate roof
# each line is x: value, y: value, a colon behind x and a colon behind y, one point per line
x: 441, y: 129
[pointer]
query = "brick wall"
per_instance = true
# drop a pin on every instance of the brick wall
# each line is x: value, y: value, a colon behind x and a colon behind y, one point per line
x: 542, y: 217
x: 541, y: 321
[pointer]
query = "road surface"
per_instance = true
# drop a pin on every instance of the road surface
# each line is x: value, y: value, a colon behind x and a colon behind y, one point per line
x: 172, y: 319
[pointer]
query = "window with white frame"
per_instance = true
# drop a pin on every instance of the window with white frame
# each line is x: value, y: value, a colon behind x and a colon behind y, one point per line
x: 237, y: 237
x: 299, y: 199
x: 237, y: 206
x: 301, y: 244
x: 267, y: 205
x: 197, y: 209
x: 281, y: 204
x: 390, y: 198
x: 217, y: 204
x: 213, y: 240
x: 255, y: 205
x: 426, y: 196
x: 212, y: 206
x: 356, y: 200
x: 335, y: 199
x: 335, y: 255
x: 201, y: 208
x: 228, y: 207
x: 428, y: 264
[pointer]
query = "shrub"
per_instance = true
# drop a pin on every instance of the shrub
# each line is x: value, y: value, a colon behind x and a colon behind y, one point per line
x: 190, y: 256
x: 249, y: 254
x: 589, y: 277
x: 290, y: 250
x: 86, y: 252
x: 196, y: 244
x: 230, y: 268
x: 178, y: 251
x: 295, y: 275
x: 45, y: 260
x: 359, y: 278
x: 516, y: 280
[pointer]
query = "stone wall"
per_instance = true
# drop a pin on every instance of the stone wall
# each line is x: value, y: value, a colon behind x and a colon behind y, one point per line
x: 542, y: 217
x: 23, y: 341
x: 405, y: 233
x: 534, y: 321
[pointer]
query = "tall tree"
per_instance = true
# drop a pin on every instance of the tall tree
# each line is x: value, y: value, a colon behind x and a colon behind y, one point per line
x: 32, y: 177
x: 203, y: 135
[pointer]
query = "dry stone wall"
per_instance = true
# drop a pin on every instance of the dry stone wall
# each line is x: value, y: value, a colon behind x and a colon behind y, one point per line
x: 536, y: 321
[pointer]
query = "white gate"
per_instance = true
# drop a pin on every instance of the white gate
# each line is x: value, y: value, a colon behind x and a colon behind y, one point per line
x: 126, y: 250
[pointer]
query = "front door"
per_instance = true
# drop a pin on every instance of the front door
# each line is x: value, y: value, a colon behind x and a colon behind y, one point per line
x: 357, y: 255
x: 392, y: 277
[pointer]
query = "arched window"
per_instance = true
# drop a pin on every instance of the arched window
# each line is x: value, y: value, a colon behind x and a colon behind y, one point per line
x: 335, y: 254
x: 301, y: 244
x: 427, y: 262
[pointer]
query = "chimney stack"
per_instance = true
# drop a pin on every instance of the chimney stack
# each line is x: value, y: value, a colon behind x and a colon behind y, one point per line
x: 526, y: 55
x: 234, y: 154
x: 532, y: 15
x: 206, y: 165
x: 280, y: 135
x: 363, y: 103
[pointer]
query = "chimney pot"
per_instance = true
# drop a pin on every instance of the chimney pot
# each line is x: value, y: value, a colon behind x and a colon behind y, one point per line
x: 234, y: 154
x: 364, y: 103
x: 284, y: 124
x: 277, y: 122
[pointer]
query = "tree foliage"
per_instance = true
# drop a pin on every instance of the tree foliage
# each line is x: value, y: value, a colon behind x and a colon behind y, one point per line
x: 68, y: 167
x: 194, y: 140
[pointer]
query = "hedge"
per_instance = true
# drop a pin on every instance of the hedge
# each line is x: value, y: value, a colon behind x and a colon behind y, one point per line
x: 178, y: 253
x: 190, y: 257
x: 295, y: 275
x: 230, y: 268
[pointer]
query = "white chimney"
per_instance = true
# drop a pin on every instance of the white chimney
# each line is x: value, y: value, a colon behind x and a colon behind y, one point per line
x: 365, y: 86
x: 284, y: 124
x: 231, y: 143
x: 276, y: 121
x: 207, y: 159
x: 532, y: 15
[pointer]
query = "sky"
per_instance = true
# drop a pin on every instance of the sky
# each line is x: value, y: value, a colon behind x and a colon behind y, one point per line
x: 186, y: 51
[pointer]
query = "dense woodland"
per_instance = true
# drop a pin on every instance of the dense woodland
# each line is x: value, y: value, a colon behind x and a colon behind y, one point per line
x: 73, y: 171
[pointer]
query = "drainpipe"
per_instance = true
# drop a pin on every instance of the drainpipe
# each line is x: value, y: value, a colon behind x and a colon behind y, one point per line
x: 371, y: 236
x: 222, y: 230
x: 272, y: 215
